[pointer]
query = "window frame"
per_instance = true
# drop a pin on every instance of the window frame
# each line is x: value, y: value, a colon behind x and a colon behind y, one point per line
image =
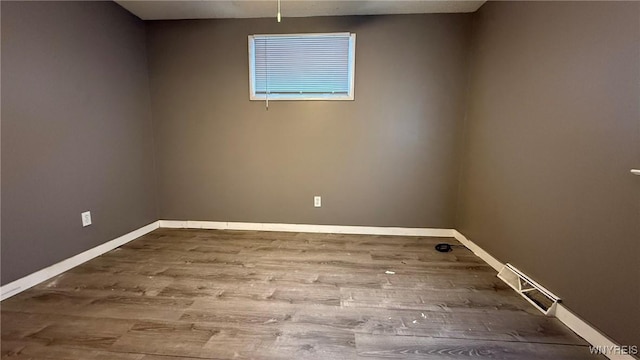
x: 295, y: 97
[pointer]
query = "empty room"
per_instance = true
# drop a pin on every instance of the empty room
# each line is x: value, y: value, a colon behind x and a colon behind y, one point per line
x: 307, y: 179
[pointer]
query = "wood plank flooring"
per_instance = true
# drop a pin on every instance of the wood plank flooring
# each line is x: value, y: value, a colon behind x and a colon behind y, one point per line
x: 208, y: 294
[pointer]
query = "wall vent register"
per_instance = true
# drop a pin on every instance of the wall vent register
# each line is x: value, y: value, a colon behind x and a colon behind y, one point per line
x: 302, y: 66
x: 533, y: 292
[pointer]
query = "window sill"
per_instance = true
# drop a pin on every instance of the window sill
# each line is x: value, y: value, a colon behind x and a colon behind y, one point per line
x: 274, y: 97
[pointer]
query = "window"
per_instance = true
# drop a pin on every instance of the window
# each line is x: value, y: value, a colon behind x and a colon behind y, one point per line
x: 302, y: 66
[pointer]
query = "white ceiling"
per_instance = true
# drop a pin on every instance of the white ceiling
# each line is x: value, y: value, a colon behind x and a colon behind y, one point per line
x: 212, y: 9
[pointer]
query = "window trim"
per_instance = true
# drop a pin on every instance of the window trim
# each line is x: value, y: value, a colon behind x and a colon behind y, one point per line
x: 296, y: 97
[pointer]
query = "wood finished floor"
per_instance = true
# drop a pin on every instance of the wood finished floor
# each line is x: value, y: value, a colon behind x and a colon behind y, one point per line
x: 206, y: 294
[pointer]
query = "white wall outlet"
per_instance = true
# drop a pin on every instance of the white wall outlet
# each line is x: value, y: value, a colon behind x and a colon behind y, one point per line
x: 86, y: 218
x: 317, y: 201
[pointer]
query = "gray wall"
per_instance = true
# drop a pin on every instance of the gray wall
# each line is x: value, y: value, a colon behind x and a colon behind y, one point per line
x: 553, y: 129
x: 389, y: 158
x: 76, y: 130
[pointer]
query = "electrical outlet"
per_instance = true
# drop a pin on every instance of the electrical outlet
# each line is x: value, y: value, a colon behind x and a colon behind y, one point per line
x: 317, y: 201
x: 86, y: 218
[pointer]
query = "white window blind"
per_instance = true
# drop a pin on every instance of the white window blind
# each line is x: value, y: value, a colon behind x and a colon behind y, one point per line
x: 302, y: 66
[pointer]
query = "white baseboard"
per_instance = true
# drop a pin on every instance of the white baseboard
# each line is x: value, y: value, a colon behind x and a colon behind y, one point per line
x: 331, y: 229
x: 22, y: 284
x: 572, y: 321
x: 588, y: 332
x: 585, y: 330
x: 497, y: 265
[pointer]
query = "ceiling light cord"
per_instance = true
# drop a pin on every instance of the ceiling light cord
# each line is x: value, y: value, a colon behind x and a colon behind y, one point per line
x: 279, y: 17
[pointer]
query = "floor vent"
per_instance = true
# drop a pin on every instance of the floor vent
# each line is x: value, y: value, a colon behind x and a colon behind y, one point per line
x: 540, y: 297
